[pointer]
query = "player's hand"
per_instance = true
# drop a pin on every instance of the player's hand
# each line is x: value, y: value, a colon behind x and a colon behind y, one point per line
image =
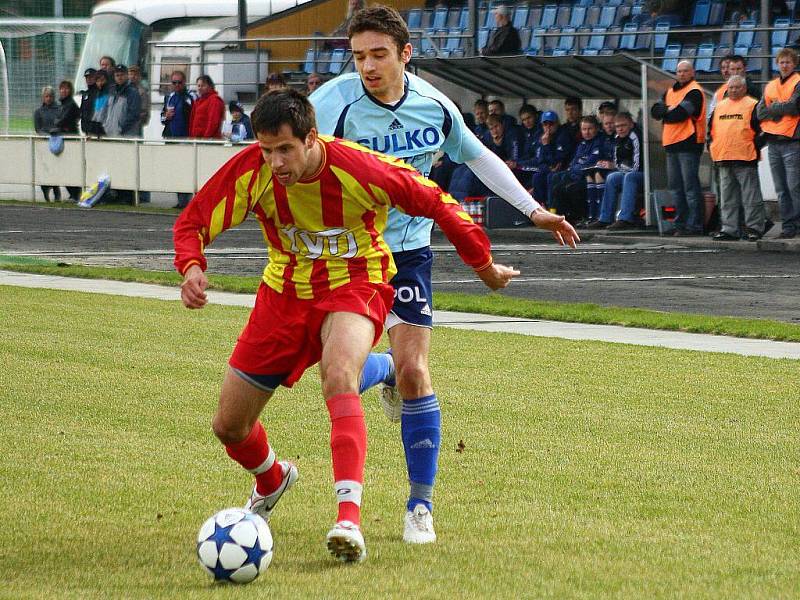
x: 497, y: 276
x: 563, y: 232
x: 193, y: 288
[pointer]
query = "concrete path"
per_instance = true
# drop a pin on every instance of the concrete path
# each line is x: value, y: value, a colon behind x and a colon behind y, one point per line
x: 478, y: 322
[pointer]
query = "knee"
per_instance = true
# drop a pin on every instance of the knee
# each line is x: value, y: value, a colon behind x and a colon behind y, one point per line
x: 413, y: 379
x: 229, y: 432
x: 339, y: 381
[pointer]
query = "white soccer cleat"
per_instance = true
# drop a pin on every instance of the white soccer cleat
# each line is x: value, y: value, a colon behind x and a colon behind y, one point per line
x: 391, y: 402
x: 419, y: 526
x: 264, y: 505
x: 346, y: 543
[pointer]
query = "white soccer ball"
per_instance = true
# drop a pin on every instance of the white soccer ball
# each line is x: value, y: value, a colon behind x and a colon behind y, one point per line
x: 235, y: 545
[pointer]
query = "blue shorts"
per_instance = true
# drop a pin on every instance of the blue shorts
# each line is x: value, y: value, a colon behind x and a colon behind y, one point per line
x: 413, y: 299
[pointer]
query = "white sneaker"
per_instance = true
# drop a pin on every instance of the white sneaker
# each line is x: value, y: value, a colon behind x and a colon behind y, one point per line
x: 391, y: 401
x: 264, y: 505
x: 419, y: 526
x: 346, y: 543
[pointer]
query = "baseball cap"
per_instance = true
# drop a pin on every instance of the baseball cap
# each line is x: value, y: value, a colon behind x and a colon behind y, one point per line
x: 235, y: 106
x: 120, y: 69
x: 90, y: 72
x: 549, y: 116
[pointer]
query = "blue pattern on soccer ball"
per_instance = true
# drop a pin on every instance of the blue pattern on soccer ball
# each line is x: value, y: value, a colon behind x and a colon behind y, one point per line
x: 222, y: 536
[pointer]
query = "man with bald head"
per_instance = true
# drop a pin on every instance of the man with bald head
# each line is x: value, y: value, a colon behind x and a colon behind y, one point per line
x: 734, y: 147
x: 683, y: 112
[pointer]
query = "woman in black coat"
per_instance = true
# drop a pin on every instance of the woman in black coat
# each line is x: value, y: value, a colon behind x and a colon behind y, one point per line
x: 67, y: 122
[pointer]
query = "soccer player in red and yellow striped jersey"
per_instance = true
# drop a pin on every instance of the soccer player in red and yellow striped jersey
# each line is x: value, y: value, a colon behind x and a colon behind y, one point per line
x: 322, y: 204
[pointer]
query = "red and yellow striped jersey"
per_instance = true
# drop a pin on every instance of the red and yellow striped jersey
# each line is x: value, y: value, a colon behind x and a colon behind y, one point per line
x: 324, y: 231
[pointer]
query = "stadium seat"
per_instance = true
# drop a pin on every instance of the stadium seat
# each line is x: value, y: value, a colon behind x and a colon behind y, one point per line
x: 482, y: 12
x: 746, y: 34
x: 607, y: 15
x: 483, y: 37
x: 453, y: 40
x: 427, y: 19
x: 756, y: 59
x: 592, y: 16
x: 414, y: 18
x: 720, y: 51
x: 537, y: 42
x: 563, y: 15
x: 728, y: 33
x: 645, y: 38
x: 567, y: 39
x: 598, y: 39
x: 457, y: 53
x: 534, y: 17
x: 551, y: 41
x: 308, y: 65
x: 488, y: 21
x: 628, y: 38
x: 520, y: 16
x: 670, y: 60
x: 590, y: 52
x: 689, y: 51
x: 614, y: 3
x: 717, y: 14
x: 705, y: 58
x: 463, y: 20
x: 324, y: 63
x: 559, y: 52
x: 623, y: 12
x: 454, y: 17
x: 612, y: 38
x: 578, y: 16
x: 525, y: 37
x: 780, y: 35
x: 337, y: 61
x: 439, y: 18
x: 701, y: 14
x: 582, y: 36
x: 549, y: 15
x: 661, y: 35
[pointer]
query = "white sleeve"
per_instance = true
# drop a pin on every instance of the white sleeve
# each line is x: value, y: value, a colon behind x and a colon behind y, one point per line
x: 496, y: 175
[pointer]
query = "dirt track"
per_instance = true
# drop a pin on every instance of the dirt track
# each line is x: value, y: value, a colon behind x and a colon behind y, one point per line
x: 652, y: 273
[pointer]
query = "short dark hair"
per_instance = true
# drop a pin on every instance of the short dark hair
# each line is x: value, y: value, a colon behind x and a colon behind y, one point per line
x: 737, y: 58
x: 499, y: 103
x: 181, y: 73
x: 207, y: 79
x: 68, y: 84
x: 528, y: 108
x: 110, y: 58
x: 592, y: 120
x: 573, y: 101
x: 624, y: 114
x: 482, y: 103
x: 284, y: 107
x: 381, y: 19
x: 497, y: 119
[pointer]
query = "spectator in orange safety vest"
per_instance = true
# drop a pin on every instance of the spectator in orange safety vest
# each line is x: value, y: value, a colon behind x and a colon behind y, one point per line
x: 733, y: 134
x: 779, y: 113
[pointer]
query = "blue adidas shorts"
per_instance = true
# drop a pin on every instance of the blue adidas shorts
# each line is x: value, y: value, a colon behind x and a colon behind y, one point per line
x: 413, y: 299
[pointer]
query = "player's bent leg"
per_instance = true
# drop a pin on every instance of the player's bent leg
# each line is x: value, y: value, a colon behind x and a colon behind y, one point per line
x: 346, y: 341
x: 420, y: 428
x: 237, y: 426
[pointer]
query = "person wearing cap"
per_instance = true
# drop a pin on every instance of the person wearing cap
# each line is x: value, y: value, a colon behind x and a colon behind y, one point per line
x: 504, y: 39
x: 123, y: 111
x: 779, y: 113
x: 239, y: 128
x: 276, y: 81
x: 549, y: 153
x: 87, y: 99
x: 208, y: 111
x: 135, y: 79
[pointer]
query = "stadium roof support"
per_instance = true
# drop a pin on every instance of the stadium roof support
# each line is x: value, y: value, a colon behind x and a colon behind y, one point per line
x: 614, y: 76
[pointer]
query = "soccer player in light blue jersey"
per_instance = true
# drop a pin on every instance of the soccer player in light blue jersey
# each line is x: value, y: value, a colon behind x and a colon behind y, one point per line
x: 388, y: 110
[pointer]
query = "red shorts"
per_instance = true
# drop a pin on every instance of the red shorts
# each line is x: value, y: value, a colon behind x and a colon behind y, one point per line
x: 282, y: 336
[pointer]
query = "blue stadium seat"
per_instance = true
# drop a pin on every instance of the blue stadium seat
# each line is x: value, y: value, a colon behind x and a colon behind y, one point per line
x: 607, y: 15
x: 337, y: 61
x: 414, y: 18
x: 780, y: 35
x: 551, y: 41
x: 489, y: 20
x: 612, y: 38
x: 454, y: 16
x: 559, y: 52
x: 567, y: 39
x: 728, y: 32
x: 636, y: 10
x: 592, y: 16
x: 520, y: 16
x: 483, y: 37
x: 716, y: 14
x: 590, y: 52
x: 534, y: 17
x: 453, y: 41
x: 549, y: 15
x: 661, y: 35
x: 427, y: 19
x: 563, y: 15
x: 582, y: 35
x: 628, y: 38
x: 578, y: 16
x: 702, y: 12
x: 720, y: 51
x: 537, y: 41
x: 324, y: 63
x: 598, y: 38
x: 746, y: 35
x: 670, y: 60
x: 458, y: 53
x: 645, y: 37
x: 308, y: 65
x: 463, y: 20
x: 614, y: 3
x: 439, y: 18
x: 623, y: 12
x: 689, y: 51
x: 525, y: 37
x: 756, y: 60
x: 705, y: 57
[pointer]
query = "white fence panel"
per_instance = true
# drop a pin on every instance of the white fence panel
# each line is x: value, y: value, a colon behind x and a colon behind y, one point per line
x: 64, y: 169
x: 166, y: 167
x: 116, y: 159
x: 212, y: 157
x: 16, y: 165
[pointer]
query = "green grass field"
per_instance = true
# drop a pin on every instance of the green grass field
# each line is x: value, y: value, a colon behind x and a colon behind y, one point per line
x: 588, y: 469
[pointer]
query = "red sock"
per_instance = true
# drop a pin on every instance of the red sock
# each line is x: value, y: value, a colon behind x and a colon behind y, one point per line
x: 348, y: 451
x: 255, y: 455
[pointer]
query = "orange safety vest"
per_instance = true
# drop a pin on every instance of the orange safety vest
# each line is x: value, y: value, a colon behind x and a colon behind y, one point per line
x: 720, y: 93
x: 781, y: 92
x: 733, y: 138
x: 677, y: 132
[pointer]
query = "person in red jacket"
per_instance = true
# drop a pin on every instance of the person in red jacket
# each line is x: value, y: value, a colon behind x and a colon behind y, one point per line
x: 208, y: 111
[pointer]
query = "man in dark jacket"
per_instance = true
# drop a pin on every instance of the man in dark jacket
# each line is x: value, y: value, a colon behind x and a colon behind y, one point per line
x: 549, y: 152
x: 67, y: 122
x: 175, y: 118
x: 505, y: 38
x: 87, y: 100
x: 123, y: 111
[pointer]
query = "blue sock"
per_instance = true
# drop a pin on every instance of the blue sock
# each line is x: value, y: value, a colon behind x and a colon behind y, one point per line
x: 590, y: 191
x: 421, y: 429
x: 599, y: 191
x: 378, y: 368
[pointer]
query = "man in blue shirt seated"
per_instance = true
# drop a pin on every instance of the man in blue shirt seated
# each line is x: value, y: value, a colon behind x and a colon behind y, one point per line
x: 548, y: 152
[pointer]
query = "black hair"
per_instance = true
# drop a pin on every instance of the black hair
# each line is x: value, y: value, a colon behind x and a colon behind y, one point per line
x: 284, y: 107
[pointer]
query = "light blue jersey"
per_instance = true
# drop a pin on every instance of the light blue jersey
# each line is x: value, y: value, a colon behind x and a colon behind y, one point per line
x: 421, y: 123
